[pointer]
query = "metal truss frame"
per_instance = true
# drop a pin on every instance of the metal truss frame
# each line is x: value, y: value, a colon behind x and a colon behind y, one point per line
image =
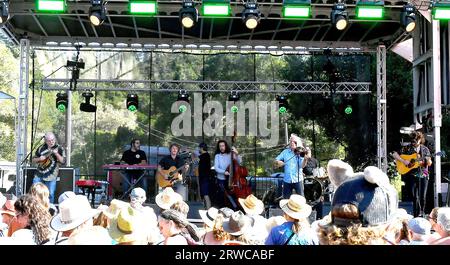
x: 381, y: 109
x: 209, y: 86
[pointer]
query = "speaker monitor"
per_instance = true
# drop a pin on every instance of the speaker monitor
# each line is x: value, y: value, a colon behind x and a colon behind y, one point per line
x: 65, y: 182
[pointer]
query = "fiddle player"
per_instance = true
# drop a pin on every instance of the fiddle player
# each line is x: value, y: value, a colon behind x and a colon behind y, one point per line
x: 49, y: 157
x: 222, y: 160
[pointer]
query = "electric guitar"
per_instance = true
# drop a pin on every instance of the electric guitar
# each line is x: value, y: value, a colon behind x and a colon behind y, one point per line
x: 414, y: 162
x: 173, y: 176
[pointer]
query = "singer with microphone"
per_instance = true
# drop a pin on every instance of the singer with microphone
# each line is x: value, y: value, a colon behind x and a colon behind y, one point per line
x: 292, y: 159
x: 49, y: 157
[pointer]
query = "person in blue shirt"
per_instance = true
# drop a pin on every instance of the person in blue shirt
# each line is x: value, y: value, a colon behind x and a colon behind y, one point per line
x: 292, y: 159
x: 296, y: 230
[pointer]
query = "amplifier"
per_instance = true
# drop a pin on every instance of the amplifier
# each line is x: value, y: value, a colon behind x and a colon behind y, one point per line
x: 65, y: 182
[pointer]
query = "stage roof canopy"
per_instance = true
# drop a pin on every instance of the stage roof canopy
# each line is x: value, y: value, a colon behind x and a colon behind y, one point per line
x: 124, y: 30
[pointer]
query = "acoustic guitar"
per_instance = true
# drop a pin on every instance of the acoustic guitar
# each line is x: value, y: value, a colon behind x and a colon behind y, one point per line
x: 47, y: 161
x: 414, y: 162
x: 173, y: 176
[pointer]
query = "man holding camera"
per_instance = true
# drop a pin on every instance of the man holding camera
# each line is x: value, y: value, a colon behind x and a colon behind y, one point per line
x: 292, y: 159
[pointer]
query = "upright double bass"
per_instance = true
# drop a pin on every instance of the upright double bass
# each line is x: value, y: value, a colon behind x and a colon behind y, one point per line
x: 237, y: 181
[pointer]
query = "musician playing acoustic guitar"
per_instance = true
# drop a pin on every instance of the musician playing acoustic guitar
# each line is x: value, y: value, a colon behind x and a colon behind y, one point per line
x: 416, y: 180
x: 49, y: 157
x: 173, y: 161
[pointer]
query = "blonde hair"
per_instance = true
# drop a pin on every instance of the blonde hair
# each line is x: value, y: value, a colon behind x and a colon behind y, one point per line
x: 218, y: 232
x: 41, y: 193
x: 181, y: 207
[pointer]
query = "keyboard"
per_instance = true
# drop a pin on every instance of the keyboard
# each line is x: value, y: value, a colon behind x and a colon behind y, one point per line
x: 128, y: 167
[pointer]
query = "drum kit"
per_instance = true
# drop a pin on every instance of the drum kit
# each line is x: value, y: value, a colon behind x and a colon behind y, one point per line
x: 318, y: 187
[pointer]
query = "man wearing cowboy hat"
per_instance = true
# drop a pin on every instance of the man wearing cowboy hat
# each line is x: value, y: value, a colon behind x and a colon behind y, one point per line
x: 292, y: 160
x: 296, y: 230
x: 75, y: 213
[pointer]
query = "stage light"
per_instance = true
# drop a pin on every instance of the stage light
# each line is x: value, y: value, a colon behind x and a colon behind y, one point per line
x: 408, y: 17
x: 61, y: 101
x: 132, y: 102
x: 339, y: 16
x: 188, y: 14
x: 56, y: 6
x: 183, y: 96
x: 234, y: 96
x: 251, y: 14
x: 97, y: 12
x: 370, y: 9
x: 348, y: 110
x: 143, y: 7
x: 296, y: 8
x: 86, y: 106
x: 216, y: 8
x: 4, y: 11
x: 441, y: 10
x: 282, y: 104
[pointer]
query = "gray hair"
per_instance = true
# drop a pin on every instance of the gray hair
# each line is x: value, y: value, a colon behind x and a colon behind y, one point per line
x: 443, y: 218
x: 49, y: 135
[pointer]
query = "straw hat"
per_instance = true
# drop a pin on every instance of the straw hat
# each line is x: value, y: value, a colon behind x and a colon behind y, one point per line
x: 252, y: 205
x: 72, y: 213
x: 209, y: 216
x: 296, y: 207
x: 167, y: 197
x: 114, y: 208
x: 128, y: 226
x: 8, y: 208
x: 237, y: 224
x: 95, y: 235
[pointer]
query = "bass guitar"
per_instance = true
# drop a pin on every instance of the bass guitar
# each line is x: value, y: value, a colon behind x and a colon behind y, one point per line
x: 168, y: 177
x: 414, y: 162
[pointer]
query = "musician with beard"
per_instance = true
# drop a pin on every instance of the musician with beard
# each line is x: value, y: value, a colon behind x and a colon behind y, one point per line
x: 49, y: 157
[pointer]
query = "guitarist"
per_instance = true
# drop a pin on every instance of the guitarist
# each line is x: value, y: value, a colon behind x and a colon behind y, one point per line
x: 49, y: 157
x: 416, y: 180
x: 174, y: 160
x: 222, y: 160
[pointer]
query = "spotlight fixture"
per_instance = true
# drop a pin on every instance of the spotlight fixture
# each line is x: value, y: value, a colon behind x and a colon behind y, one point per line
x: 251, y: 14
x: 86, y: 106
x: 4, y: 11
x: 296, y: 8
x: 216, y: 7
x: 348, y: 110
x: 97, y: 12
x: 234, y: 96
x: 370, y: 9
x: 441, y: 10
x: 132, y: 102
x: 408, y: 17
x: 61, y: 101
x: 183, y: 96
x: 58, y: 6
x: 282, y: 104
x: 339, y: 16
x: 188, y: 14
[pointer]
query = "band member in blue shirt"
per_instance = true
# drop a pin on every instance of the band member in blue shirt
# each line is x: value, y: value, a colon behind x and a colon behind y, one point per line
x: 292, y: 159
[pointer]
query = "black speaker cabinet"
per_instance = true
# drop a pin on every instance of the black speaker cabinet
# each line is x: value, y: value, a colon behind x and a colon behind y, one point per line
x: 65, y: 182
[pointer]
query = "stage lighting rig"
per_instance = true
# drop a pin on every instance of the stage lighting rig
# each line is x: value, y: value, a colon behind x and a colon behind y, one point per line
x: 339, y: 16
x: 61, y: 101
x: 251, y: 14
x: 86, y: 106
x: 282, y: 104
x: 184, y: 97
x: 188, y: 14
x: 234, y: 96
x: 132, y: 102
x: 4, y: 11
x: 408, y: 17
x: 97, y: 12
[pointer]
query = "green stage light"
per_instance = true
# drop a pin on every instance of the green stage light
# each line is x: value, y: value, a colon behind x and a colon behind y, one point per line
x: 234, y: 109
x: 132, y: 102
x: 143, y: 7
x: 367, y: 9
x: 441, y: 10
x: 182, y: 108
x: 282, y: 110
x: 282, y: 104
x: 296, y: 8
x: 61, y: 102
x: 51, y: 5
x: 348, y: 110
x: 216, y: 8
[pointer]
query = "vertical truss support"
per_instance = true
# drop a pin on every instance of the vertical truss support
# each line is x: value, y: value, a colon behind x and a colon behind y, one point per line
x: 381, y: 108
x: 21, y: 129
x: 437, y: 112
